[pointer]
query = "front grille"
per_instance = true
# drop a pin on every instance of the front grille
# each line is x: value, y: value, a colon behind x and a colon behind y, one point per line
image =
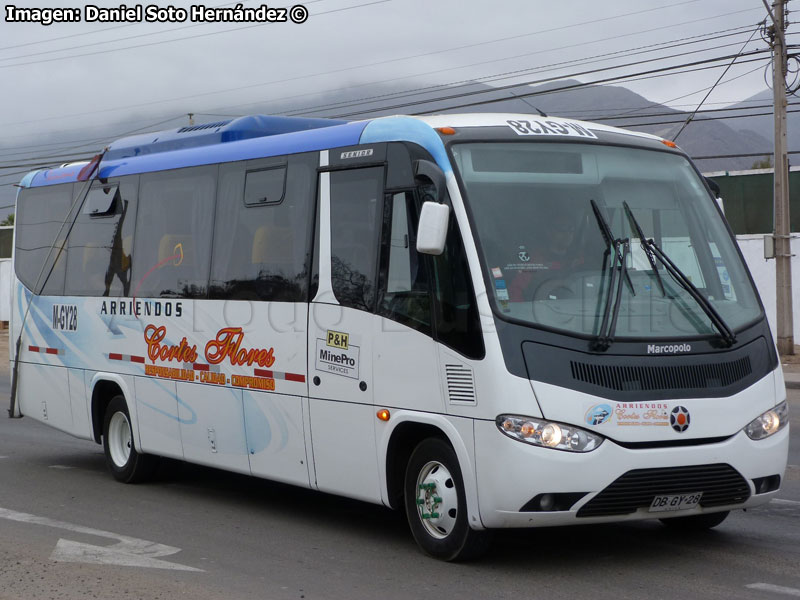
x: 721, y: 484
x: 662, y: 377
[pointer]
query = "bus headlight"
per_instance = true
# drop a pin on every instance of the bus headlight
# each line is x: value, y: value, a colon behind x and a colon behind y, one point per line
x: 769, y: 423
x: 548, y: 434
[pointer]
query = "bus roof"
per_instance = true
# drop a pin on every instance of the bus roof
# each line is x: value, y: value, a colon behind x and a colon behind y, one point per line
x: 258, y: 136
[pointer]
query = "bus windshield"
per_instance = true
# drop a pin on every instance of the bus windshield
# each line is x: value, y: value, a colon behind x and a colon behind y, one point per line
x: 560, y: 224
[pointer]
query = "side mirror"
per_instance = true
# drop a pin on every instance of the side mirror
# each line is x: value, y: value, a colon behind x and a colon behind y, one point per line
x: 432, y: 229
x: 427, y: 173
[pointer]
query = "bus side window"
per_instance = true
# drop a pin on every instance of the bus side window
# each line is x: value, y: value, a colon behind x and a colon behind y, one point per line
x: 174, y: 225
x: 101, y: 242
x: 41, y: 213
x: 355, y: 219
x: 263, y: 229
x: 457, y: 321
x: 404, y: 294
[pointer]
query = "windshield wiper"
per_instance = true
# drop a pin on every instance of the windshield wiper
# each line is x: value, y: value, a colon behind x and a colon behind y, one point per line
x: 619, y: 265
x: 647, y: 249
x: 653, y: 251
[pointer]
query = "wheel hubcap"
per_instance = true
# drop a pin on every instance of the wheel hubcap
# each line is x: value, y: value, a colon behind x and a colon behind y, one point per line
x: 437, y: 500
x: 119, y: 439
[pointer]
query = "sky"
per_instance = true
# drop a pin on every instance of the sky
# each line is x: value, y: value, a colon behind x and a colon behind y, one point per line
x: 65, y: 82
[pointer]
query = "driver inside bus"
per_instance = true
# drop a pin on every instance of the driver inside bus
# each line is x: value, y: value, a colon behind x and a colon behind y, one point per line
x: 554, y: 258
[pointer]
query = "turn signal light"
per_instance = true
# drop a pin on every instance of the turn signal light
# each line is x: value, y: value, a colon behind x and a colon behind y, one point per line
x: 384, y: 414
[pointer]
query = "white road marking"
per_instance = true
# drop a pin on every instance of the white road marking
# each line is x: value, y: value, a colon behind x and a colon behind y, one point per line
x: 768, y: 587
x: 65, y: 467
x: 129, y: 551
x: 782, y: 501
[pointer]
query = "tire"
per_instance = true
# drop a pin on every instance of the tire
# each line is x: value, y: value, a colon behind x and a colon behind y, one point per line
x: 696, y: 522
x: 124, y: 461
x: 436, y: 505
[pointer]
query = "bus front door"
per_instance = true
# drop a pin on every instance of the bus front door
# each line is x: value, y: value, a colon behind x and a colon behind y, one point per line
x: 342, y: 320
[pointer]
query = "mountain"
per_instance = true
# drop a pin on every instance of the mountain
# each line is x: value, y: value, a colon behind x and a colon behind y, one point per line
x: 613, y: 105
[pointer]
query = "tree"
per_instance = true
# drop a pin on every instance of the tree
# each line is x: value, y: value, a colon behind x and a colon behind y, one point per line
x: 763, y: 164
x: 9, y: 220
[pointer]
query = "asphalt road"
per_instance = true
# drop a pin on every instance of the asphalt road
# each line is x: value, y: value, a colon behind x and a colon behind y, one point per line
x: 68, y: 530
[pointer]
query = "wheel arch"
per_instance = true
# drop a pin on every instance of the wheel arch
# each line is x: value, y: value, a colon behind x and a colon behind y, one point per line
x: 404, y: 431
x: 103, y: 387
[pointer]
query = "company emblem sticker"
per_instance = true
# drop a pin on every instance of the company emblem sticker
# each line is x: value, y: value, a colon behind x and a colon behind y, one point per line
x: 337, y: 360
x: 679, y: 418
x: 337, y: 339
x: 356, y: 154
x: 599, y: 414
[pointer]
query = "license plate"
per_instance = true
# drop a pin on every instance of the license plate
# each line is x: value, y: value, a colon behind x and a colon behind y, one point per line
x: 675, y: 502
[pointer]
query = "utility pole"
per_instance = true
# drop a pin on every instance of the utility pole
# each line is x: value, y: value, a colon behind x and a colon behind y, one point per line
x: 781, y: 232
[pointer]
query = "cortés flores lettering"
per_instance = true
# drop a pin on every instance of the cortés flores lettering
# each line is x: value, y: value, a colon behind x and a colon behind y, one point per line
x: 183, y: 352
x: 228, y: 344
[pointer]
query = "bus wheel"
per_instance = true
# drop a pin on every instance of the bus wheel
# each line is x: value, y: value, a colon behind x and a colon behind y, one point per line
x: 436, y: 505
x: 696, y: 522
x: 125, y: 463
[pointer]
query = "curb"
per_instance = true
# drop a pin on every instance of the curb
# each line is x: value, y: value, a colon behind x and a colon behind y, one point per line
x: 792, y: 385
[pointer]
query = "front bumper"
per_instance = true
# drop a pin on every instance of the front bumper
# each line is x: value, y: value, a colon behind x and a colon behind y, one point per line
x: 511, y: 473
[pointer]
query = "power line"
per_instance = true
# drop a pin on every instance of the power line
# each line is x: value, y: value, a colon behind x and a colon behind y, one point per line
x: 763, y: 114
x: 114, y: 41
x: 37, y: 161
x: 547, y: 80
x: 189, y: 37
x: 379, y: 63
x: 678, y: 113
x: 95, y: 141
x: 630, y: 51
x: 650, y: 123
x: 441, y: 70
x: 733, y: 60
x: 750, y: 155
x: 542, y: 68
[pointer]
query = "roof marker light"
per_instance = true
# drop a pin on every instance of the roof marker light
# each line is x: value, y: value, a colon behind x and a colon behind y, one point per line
x: 669, y: 144
x: 446, y: 130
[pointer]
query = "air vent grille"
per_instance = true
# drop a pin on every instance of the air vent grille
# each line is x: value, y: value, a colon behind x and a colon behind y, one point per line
x: 668, y: 377
x: 720, y: 484
x: 460, y: 384
x: 204, y: 126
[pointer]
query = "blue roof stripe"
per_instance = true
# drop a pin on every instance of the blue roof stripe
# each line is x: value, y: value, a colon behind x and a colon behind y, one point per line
x: 408, y: 129
x: 275, y: 145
